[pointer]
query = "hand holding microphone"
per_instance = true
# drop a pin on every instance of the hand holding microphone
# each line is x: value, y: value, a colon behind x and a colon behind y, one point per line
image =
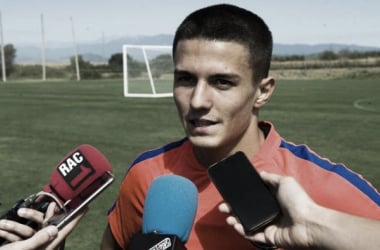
x: 79, y: 177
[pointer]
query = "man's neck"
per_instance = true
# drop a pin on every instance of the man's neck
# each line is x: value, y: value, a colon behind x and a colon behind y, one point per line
x: 250, y: 145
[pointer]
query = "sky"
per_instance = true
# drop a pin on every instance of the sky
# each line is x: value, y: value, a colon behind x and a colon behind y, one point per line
x: 291, y: 21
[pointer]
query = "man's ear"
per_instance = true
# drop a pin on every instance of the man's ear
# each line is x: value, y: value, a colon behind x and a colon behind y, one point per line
x: 264, y: 91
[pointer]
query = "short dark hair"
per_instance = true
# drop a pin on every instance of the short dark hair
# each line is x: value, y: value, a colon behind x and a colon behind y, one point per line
x: 230, y: 23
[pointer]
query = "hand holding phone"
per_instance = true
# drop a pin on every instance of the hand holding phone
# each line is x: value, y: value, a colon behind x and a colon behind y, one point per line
x: 60, y: 220
x: 243, y: 189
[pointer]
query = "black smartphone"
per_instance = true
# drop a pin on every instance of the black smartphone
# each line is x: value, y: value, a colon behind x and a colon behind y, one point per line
x: 243, y: 189
x: 62, y: 219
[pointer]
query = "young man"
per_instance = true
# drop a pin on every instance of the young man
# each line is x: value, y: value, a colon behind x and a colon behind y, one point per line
x: 222, y: 57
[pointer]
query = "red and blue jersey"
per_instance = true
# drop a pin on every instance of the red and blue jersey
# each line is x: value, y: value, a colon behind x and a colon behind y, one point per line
x: 329, y: 184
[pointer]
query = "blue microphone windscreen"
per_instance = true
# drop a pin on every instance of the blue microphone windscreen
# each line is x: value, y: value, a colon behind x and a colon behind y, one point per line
x: 170, y: 206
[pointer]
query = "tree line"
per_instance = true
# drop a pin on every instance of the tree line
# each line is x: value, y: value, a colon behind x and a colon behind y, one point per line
x: 329, y: 55
x: 158, y: 65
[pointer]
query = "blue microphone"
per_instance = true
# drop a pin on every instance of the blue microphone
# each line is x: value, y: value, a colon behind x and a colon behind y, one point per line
x: 169, y: 211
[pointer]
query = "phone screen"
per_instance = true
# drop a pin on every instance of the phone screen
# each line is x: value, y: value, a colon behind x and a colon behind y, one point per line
x: 61, y: 220
x: 243, y: 189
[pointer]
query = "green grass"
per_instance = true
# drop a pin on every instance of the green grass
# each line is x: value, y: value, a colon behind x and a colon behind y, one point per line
x: 142, y: 86
x: 40, y: 122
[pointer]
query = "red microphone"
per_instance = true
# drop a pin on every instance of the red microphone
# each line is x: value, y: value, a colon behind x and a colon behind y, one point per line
x: 78, y: 175
x: 78, y: 178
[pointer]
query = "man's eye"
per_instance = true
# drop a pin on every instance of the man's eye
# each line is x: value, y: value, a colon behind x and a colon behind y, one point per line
x: 184, y: 80
x: 223, y: 84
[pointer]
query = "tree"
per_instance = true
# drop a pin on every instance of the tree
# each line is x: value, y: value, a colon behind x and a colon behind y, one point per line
x: 134, y: 67
x: 116, y: 62
x: 9, y: 56
x: 86, y: 69
x: 328, y: 55
x: 162, y: 64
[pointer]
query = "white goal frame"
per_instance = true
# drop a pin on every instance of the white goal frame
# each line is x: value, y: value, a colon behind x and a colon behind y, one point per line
x: 154, y: 93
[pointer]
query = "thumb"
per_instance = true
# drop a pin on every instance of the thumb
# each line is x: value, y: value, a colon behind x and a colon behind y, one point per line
x: 41, y: 238
x: 273, y: 180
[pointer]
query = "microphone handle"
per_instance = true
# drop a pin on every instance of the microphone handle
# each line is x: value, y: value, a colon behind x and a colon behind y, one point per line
x: 154, y: 241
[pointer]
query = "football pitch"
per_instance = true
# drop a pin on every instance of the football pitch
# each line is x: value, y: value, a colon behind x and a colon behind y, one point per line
x: 42, y: 121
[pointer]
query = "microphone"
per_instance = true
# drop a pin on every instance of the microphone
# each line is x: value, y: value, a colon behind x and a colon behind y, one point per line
x: 169, y: 211
x: 79, y: 177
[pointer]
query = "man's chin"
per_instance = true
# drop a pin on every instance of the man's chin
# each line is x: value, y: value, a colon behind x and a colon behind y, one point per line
x: 206, y: 142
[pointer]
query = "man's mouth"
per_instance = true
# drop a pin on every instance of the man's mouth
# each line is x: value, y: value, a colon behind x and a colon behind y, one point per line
x: 201, y: 122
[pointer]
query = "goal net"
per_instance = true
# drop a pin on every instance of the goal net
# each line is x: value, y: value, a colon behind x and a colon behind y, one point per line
x: 148, y: 71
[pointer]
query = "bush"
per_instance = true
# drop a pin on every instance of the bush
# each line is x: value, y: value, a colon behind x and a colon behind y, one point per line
x: 86, y: 69
x: 328, y: 55
x: 9, y: 56
x: 35, y: 72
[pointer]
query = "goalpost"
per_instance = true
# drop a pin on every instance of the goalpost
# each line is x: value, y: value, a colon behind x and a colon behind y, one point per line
x: 147, y: 70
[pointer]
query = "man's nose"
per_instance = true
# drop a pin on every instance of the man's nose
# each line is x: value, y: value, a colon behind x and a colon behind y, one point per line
x: 201, y: 96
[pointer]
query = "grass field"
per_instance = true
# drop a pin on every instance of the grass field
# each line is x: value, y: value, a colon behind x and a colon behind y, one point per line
x: 40, y: 122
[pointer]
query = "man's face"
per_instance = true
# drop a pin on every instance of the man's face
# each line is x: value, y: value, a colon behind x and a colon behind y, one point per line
x: 214, y: 93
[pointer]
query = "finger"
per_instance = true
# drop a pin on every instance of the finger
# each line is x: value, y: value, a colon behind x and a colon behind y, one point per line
x: 39, y: 240
x: 257, y: 237
x: 232, y: 220
x: 239, y: 228
x: 9, y: 236
x: 270, y: 234
x: 66, y: 230
x: 50, y: 211
x: 31, y: 214
x: 42, y: 237
x: 263, y: 238
x: 224, y: 208
x: 271, y: 179
x: 13, y: 231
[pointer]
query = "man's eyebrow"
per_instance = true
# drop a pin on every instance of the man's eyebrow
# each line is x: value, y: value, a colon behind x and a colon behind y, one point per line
x: 231, y: 76
x: 217, y: 75
x: 177, y: 71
